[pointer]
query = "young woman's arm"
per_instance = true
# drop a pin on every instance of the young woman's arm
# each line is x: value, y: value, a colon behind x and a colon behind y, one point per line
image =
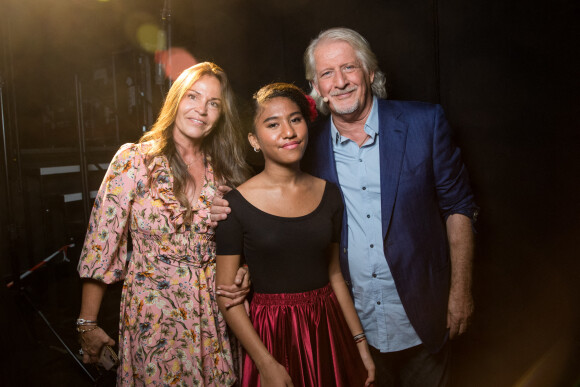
x: 345, y: 301
x: 272, y: 373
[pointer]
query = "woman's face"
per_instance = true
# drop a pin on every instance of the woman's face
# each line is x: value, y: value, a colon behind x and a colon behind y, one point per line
x: 198, y: 110
x: 281, y: 131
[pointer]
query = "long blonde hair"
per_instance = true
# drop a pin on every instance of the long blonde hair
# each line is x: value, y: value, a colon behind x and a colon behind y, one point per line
x: 223, y: 146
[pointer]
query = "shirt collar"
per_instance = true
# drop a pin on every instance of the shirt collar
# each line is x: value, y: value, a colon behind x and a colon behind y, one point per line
x: 371, y: 125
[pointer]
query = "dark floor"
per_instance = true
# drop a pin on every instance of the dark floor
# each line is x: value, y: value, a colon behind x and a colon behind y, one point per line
x: 510, y: 344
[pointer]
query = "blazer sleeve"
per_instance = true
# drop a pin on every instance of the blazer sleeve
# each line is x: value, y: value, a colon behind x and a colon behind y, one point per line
x: 451, y: 179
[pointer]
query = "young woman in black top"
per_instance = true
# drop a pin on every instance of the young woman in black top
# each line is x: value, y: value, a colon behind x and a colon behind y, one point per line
x: 304, y: 330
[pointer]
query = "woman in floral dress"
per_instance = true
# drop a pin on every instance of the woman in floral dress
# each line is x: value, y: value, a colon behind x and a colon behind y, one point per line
x: 160, y: 190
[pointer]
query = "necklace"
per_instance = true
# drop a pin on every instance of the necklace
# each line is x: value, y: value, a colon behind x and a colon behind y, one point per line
x: 192, y: 161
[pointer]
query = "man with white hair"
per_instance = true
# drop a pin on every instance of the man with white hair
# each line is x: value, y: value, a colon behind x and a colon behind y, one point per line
x: 407, y: 242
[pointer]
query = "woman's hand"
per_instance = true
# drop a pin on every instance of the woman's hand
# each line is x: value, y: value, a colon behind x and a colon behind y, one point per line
x: 92, y: 343
x: 239, y: 290
x: 274, y: 375
x: 368, y: 362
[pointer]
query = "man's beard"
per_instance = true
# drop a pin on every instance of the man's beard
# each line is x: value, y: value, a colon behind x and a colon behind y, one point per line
x: 345, y: 110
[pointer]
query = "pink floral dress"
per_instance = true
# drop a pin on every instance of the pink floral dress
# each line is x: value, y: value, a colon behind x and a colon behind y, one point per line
x: 171, y: 331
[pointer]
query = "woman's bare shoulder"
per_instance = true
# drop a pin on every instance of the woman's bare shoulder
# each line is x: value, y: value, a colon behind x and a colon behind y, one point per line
x: 251, y: 186
x: 314, y: 184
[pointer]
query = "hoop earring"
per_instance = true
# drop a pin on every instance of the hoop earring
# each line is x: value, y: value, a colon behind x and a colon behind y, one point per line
x: 256, y: 150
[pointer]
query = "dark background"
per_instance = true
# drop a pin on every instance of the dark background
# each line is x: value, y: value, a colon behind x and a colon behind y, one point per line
x: 506, y: 73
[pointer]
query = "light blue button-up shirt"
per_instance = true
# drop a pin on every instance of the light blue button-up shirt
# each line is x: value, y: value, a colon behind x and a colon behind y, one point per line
x: 376, y: 299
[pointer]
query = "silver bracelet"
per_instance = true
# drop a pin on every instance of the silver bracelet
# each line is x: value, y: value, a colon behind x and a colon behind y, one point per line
x: 82, y: 321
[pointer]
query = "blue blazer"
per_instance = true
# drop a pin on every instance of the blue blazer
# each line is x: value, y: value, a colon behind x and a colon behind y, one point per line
x: 423, y: 181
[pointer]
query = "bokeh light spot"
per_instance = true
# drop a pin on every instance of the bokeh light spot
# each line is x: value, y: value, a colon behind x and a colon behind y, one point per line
x: 174, y: 61
x: 147, y: 36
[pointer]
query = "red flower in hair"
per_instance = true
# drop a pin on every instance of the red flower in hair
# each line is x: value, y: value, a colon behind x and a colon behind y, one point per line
x: 313, y: 111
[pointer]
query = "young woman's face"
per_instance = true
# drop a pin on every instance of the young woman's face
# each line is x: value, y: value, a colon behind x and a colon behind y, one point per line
x: 280, y: 131
x: 198, y: 110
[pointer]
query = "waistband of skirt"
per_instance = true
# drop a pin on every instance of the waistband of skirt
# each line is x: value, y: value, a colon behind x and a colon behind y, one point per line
x: 292, y: 298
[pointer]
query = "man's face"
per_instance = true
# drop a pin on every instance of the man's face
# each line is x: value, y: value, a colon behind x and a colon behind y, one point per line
x: 341, y: 78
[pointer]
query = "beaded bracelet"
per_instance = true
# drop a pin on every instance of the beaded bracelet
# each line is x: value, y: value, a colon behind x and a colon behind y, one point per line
x: 360, y: 340
x: 81, y: 331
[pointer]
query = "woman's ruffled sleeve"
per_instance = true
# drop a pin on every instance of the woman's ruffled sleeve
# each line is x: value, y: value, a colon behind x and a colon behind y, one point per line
x: 104, y: 252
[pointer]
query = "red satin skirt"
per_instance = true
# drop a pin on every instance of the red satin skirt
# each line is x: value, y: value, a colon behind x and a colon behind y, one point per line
x: 307, y: 334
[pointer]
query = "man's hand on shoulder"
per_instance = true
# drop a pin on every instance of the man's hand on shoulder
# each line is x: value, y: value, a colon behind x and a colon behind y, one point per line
x: 220, y: 207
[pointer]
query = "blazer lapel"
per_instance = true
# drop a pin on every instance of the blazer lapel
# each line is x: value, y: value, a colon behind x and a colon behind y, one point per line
x: 392, y: 142
x: 326, y: 166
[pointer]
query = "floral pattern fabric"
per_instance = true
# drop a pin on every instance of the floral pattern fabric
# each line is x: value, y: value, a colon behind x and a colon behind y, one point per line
x: 171, y: 332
